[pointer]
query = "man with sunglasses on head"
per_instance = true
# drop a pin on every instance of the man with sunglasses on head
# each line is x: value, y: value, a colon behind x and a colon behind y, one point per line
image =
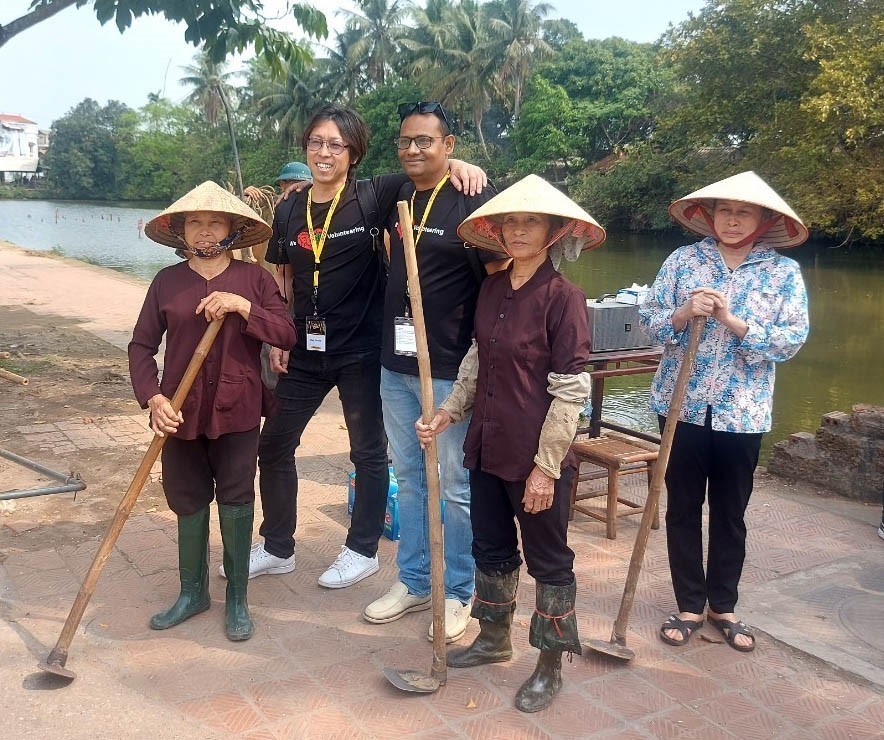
x: 450, y: 274
x: 328, y: 251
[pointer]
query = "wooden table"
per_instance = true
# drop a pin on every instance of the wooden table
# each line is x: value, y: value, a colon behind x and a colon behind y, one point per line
x: 612, y: 364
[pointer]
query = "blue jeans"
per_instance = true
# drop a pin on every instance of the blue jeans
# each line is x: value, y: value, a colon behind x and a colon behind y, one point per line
x: 401, y: 395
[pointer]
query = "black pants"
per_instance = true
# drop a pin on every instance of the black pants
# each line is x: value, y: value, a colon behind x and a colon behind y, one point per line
x: 494, y: 503
x: 723, y: 462
x: 197, y: 470
x: 299, y: 393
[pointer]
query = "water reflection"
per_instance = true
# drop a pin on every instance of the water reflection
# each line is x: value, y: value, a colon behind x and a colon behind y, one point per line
x: 100, y: 233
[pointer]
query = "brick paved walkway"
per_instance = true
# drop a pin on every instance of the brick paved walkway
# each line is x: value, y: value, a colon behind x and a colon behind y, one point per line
x: 313, y: 669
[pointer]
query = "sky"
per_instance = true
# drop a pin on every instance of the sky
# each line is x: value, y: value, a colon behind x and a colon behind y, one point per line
x: 46, y: 70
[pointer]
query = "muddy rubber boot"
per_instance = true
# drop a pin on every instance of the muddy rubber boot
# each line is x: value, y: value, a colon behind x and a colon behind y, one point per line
x: 553, y: 631
x: 236, y: 534
x: 193, y: 571
x: 493, y: 605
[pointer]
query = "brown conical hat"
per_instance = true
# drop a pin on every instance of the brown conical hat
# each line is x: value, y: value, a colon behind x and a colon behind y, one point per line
x: 694, y: 211
x: 531, y: 194
x: 209, y: 197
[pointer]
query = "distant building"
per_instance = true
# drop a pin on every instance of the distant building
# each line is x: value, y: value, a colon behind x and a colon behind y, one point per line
x: 19, y: 146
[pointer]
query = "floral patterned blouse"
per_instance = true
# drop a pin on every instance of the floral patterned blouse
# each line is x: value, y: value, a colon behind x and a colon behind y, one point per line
x: 734, y: 376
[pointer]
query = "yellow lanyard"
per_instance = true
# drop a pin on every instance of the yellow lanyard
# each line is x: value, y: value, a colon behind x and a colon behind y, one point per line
x: 319, y: 245
x: 428, y: 208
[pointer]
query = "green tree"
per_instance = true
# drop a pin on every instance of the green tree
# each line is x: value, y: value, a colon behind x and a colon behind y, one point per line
x: 83, y: 158
x: 514, y: 29
x: 220, y: 27
x: 377, y: 30
x: 545, y: 135
x: 207, y: 81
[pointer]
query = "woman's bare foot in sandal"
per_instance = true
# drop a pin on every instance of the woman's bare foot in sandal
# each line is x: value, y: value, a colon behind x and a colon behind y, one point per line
x: 739, y: 640
x: 677, y: 636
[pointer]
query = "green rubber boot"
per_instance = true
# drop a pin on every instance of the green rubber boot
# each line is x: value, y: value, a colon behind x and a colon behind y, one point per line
x: 236, y: 534
x: 553, y: 631
x: 193, y: 571
x: 493, y: 605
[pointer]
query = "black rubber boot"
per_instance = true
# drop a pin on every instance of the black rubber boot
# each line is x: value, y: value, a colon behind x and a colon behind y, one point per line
x: 493, y: 605
x: 236, y: 534
x: 193, y: 571
x: 553, y: 630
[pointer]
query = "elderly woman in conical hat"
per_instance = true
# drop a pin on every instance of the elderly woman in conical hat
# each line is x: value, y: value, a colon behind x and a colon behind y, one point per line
x: 755, y: 306
x: 212, y: 446
x: 525, y: 382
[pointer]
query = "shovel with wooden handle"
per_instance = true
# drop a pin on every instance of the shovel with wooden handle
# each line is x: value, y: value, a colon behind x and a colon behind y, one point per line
x: 616, y: 646
x: 409, y: 679
x: 55, y: 663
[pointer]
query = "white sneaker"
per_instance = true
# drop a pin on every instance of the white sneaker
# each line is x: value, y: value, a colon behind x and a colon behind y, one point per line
x: 457, y: 617
x: 349, y: 567
x: 262, y: 563
x: 396, y: 603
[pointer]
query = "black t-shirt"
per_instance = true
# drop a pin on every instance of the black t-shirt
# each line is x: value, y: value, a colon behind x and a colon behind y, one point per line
x: 351, y: 283
x: 449, y: 284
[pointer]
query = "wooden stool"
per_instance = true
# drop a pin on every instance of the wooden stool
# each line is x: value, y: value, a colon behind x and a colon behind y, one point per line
x: 619, y: 456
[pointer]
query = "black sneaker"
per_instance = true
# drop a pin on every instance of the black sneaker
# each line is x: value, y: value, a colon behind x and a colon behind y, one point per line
x: 881, y: 528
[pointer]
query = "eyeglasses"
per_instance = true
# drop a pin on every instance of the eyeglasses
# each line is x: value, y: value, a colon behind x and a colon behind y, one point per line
x: 315, y: 144
x: 422, y: 142
x: 407, y: 109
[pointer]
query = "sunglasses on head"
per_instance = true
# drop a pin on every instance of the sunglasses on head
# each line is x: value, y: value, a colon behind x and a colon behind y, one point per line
x: 408, y: 109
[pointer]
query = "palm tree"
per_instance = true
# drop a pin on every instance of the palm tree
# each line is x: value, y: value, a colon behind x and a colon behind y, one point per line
x: 516, y: 27
x: 377, y: 30
x: 208, y: 80
x: 283, y: 104
x: 453, y: 59
x: 341, y: 71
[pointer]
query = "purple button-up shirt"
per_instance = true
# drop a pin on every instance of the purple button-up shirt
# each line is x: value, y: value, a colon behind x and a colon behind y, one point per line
x: 523, y: 335
x: 226, y: 395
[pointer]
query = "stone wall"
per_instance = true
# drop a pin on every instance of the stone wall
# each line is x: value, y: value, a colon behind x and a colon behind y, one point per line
x: 846, y: 455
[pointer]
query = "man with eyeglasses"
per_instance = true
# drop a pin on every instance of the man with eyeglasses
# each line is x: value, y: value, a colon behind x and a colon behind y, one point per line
x: 450, y: 274
x: 326, y: 240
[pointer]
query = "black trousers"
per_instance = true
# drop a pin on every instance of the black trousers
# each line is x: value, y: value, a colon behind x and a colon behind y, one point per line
x: 195, y: 471
x: 496, y: 505
x: 722, y: 463
x: 299, y: 393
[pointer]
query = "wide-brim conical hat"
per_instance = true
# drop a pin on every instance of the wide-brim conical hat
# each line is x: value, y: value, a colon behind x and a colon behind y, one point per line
x: 532, y: 194
x: 209, y: 197
x: 694, y: 211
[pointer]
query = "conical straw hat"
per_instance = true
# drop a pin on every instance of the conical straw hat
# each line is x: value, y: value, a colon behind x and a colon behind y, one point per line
x: 694, y: 211
x: 531, y: 194
x: 209, y: 196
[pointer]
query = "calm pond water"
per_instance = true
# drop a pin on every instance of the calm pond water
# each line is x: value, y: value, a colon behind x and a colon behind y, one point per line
x: 840, y: 365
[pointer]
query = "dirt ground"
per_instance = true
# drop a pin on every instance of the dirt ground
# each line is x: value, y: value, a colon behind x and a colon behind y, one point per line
x: 73, y: 376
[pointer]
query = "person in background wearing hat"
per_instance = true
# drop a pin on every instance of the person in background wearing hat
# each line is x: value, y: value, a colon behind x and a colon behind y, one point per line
x: 450, y: 279
x: 262, y: 201
x: 327, y: 242
x: 525, y: 380
x: 212, y: 447
x: 755, y: 306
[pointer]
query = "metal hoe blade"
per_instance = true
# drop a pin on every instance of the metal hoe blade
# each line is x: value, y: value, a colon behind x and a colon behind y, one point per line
x: 54, y: 663
x: 612, y: 649
x: 412, y: 681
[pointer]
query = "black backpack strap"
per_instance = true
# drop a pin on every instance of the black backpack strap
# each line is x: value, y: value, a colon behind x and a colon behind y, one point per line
x: 472, y: 252
x: 367, y: 198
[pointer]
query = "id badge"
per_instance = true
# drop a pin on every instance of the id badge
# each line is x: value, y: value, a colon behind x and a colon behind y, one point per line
x: 405, y: 340
x: 316, y: 333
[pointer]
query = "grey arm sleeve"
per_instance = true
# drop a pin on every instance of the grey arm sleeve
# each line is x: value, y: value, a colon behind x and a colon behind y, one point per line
x: 463, y: 393
x: 569, y: 394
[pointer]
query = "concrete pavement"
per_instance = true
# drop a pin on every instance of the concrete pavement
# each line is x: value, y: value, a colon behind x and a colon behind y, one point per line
x: 813, y: 585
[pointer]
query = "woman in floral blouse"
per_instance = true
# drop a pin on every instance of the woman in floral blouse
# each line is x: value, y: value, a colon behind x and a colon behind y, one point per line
x: 755, y: 306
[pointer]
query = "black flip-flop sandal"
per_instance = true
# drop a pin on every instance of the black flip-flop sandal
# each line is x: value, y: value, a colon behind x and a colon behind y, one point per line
x: 686, y: 627
x: 729, y: 630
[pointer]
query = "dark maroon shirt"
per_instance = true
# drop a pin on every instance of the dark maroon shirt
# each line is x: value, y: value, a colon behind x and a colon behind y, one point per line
x: 523, y: 336
x: 226, y: 395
